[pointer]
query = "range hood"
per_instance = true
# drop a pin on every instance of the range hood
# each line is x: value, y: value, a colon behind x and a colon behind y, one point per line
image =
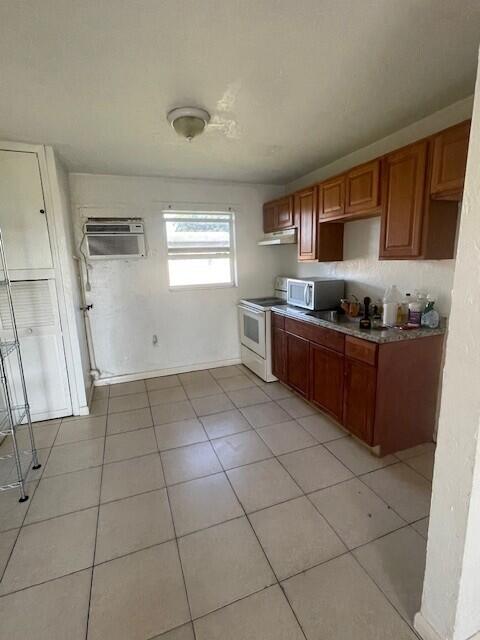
x: 289, y: 236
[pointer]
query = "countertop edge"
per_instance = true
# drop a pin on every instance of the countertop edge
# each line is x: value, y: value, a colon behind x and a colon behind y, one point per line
x: 372, y: 335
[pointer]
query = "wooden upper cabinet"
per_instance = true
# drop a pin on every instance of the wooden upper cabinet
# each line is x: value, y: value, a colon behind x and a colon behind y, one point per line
x: 331, y: 198
x: 278, y: 214
x: 305, y: 207
x: 284, y: 213
x: 415, y: 190
x: 363, y: 189
x: 404, y: 175
x: 449, y: 161
x: 269, y: 217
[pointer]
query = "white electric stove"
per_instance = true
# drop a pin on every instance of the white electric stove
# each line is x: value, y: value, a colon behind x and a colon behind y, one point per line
x: 256, y: 330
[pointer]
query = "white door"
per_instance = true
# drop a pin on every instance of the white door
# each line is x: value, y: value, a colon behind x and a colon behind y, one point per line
x: 252, y: 329
x: 41, y: 345
x: 23, y: 224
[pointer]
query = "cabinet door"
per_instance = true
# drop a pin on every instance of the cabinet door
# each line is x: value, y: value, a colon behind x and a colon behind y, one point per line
x: 279, y: 353
x: 402, y: 216
x: 297, y: 363
x: 359, y: 399
x: 284, y: 213
x: 306, y: 221
x: 269, y: 217
x: 449, y: 161
x: 363, y: 188
x: 331, y: 202
x: 24, y: 227
x: 326, y: 380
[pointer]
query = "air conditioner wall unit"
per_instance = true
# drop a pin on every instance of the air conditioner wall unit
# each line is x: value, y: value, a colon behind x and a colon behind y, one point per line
x: 111, y: 239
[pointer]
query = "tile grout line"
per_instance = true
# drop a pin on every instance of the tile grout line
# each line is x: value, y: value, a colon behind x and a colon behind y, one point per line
x: 384, y: 594
x: 225, y: 472
x: 260, y: 545
x: 26, y: 512
x: 348, y: 550
x: 210, y: 440
x: 176, y: 539
x: 87, y: 625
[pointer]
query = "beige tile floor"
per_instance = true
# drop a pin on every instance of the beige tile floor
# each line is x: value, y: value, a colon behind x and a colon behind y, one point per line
x: 212, y: 506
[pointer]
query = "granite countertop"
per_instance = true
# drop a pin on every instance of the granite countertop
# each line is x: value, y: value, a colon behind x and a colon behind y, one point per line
x: 350, y: 327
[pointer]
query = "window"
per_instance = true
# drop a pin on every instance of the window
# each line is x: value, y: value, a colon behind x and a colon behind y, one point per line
x: 200, y: 248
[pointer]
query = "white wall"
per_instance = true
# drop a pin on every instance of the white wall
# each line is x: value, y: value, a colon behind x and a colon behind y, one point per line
x: 451, y: 596
x: 131, y: 298
x: 361, y: 268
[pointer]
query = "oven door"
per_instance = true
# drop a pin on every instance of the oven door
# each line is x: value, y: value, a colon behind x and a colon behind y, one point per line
x: 252, y: 329
x: 300, y: 293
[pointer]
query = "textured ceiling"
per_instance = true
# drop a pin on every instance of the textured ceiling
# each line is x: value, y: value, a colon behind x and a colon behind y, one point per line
x: 291, y: 85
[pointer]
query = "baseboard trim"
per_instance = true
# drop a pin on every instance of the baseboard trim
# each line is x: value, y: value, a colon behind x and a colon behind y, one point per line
x: 144, y: 375
x: 424, y: 628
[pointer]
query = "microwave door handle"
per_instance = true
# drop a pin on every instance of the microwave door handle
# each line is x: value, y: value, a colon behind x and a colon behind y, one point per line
x: 307, y: 297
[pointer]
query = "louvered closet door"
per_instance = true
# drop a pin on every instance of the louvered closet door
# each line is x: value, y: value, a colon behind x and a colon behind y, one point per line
x: 43, y: 355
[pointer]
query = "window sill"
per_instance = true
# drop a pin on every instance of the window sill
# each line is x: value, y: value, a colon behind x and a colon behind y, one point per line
x: 200, y: 287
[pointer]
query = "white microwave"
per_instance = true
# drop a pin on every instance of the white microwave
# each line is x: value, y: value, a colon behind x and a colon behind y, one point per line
x: 315, y: 293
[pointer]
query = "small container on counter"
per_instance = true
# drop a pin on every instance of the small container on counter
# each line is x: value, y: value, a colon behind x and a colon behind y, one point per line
x: 376, y: 319
x: 391, y: 301
x: 365, y: 322
x: 415, y: 312
x: 430, y: 317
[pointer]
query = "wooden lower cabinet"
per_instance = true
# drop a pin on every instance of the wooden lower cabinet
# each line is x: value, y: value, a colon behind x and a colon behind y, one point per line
x: 359, y: 399
x: 326, y: 380
x: 297, y: 358
x: 279, y: 353
x: 384, y: 394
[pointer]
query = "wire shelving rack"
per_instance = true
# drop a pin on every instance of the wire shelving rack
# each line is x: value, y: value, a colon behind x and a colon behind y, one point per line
x: 15, y: 420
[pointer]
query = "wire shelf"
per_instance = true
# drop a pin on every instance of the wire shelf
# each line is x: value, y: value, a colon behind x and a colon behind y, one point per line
x: 12, y: 416
x: 8, y: 347
x: 19, y: 413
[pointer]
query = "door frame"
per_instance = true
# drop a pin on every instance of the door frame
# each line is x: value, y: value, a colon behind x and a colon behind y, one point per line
x: 62, y: 269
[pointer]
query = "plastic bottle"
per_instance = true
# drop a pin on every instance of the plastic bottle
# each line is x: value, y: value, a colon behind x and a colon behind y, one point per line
x: 415, y: 309
x: 391, y: 300
x: 404, y: 306
x: 430, y: 317
x: 421, y: 299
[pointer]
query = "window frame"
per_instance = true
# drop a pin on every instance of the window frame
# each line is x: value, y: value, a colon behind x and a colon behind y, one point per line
x: 194, y: 211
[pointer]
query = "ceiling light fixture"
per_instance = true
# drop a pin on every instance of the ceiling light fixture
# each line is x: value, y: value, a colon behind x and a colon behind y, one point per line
x: 188, y: 122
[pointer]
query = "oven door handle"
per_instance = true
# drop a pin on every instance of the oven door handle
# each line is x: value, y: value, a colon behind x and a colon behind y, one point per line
x: 250, y: 310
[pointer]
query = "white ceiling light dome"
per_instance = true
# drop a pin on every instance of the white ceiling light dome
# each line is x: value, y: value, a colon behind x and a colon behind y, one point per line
x: 188, y: 122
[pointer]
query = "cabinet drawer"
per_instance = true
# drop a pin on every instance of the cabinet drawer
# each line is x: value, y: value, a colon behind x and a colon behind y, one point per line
x: 361, y: 350
x: 325, y: 337
x: 278, y: 321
